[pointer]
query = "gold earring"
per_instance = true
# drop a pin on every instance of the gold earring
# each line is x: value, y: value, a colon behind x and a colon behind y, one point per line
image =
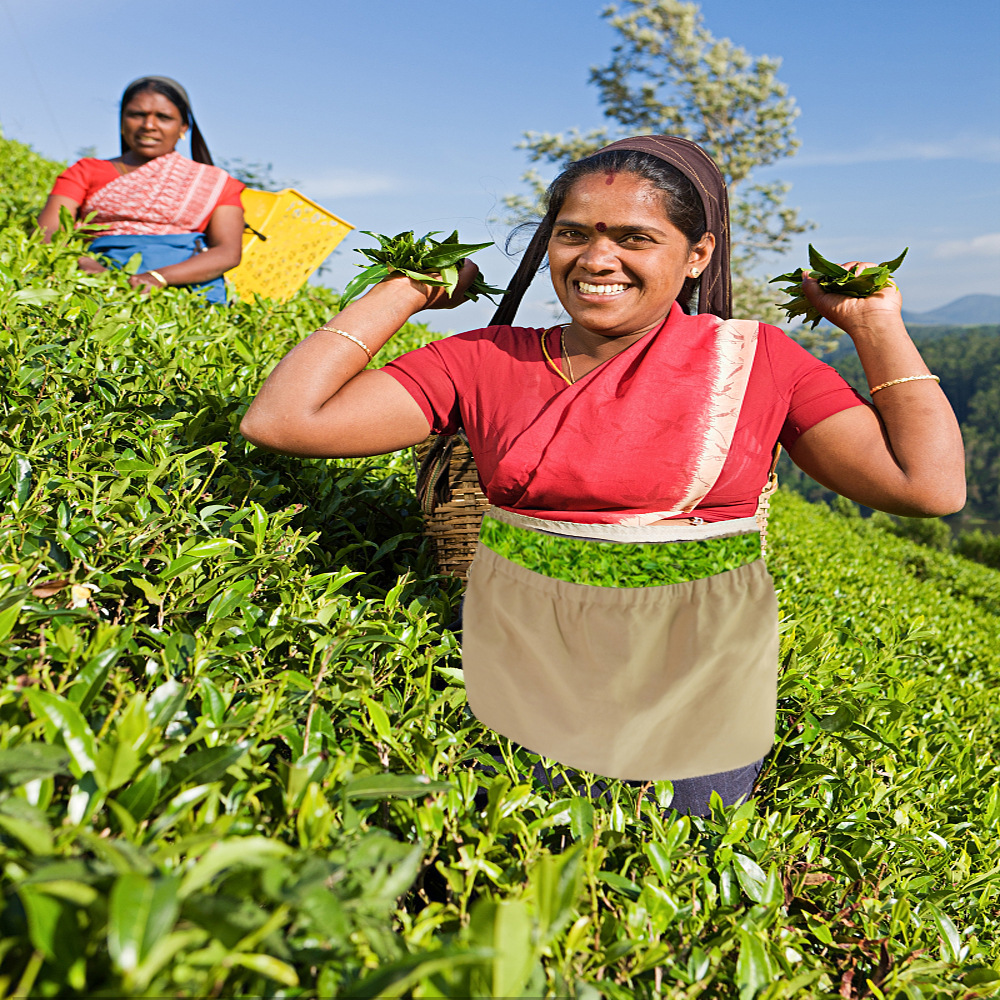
x: 695, y: 272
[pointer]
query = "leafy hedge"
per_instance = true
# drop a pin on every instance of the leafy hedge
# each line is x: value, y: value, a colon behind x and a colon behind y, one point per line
x: 236, y: 759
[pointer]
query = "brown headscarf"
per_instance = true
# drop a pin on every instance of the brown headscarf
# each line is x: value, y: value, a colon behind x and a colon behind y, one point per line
x: 715, y: 286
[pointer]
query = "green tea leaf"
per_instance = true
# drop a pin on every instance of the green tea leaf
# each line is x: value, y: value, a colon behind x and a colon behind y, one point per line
x: 65, y: 718
x: 31, y: 761
x: 753, y: 968
x: 267, y: 965
x: 434, y: 262
x: 384, y: 786
x: 836, y: 279
x: 141, y: 910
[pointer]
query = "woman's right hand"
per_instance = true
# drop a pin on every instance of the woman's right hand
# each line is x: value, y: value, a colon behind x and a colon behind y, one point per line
x: 90, y: 265
x: 437, y: 299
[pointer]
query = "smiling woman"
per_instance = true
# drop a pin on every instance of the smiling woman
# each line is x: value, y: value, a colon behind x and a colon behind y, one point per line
x: 184, y: 217
x: 635, y: 444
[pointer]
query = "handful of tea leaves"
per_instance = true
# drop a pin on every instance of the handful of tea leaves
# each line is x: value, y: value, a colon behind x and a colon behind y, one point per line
x: 434, y: 262
x: 833, y: 278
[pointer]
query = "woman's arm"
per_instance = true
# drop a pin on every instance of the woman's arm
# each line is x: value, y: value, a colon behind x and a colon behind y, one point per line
x: 48, y: 222
x: 905, y: 456
x: 48, y: 218
x: 320, y: 402
x: 224, y: 236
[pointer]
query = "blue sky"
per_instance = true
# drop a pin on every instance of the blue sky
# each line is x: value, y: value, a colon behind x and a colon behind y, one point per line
x: 398, y: 114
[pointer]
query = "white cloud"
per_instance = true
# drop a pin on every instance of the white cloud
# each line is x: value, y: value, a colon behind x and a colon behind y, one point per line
x: 980, y: 148
x: 348, y: 184
x: 987, y: 245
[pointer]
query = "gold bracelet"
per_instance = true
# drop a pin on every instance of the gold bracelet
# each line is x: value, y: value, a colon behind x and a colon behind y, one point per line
x: 897, y: 381
x: 159, y: 277
x: 350, y: 337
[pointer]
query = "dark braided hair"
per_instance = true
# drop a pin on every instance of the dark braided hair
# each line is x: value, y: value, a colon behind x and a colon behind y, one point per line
x: 177, y: 95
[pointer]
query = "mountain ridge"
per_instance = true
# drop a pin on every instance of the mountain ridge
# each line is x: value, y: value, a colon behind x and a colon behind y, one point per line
x: 968, y: 310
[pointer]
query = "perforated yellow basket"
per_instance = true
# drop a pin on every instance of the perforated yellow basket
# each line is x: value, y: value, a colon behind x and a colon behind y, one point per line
x: 298, y: 236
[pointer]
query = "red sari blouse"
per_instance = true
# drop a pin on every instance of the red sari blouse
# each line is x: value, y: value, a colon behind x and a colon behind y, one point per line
x: 617, y: 442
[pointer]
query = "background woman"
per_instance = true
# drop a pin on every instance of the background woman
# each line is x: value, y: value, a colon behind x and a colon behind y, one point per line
x: 184, y: 217
x: 619, y: 617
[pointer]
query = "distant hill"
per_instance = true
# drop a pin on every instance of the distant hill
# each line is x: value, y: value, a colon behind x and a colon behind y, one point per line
x: 969, y: 310
x: 967, y: 359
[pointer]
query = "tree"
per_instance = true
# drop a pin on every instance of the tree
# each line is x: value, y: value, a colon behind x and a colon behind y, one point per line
x: 668, y: 74
x: 255, y: 174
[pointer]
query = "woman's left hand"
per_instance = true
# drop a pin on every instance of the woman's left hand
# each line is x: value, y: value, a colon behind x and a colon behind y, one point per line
x: 145, y: 281
x: 90, y: 266
x: 854, y: 314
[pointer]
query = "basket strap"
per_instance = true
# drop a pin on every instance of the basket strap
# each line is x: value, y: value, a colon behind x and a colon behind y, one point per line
x: 764, y: 500
x: 433, y: 483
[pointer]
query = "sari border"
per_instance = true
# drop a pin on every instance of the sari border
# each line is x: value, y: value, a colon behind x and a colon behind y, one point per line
x: 628, y: 533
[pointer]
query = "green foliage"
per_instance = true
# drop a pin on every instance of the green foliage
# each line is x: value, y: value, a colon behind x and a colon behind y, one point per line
x: 27, y: 180
x: 968, y: 363
x: 930, y: 531
x: 979, y: 546
x: 668, y: 74
x: 834, y: 278
x: 236, y: 758
x: 419, y: 259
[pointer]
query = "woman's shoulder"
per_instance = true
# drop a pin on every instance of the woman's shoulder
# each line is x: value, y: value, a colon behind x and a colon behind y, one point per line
x: 231, y: 192
x: 470, y: 350
x: 783, y: 351
x: 517, y: 341
x: 91, y: 166
x: 84, y: 177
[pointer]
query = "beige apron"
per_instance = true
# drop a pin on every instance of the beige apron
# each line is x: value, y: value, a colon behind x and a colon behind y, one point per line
x: 633, y: 681
x: 640, y: 683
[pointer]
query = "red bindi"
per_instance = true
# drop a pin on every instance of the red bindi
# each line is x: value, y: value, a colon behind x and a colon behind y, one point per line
x: 610, y: 179
x: 601, y: 227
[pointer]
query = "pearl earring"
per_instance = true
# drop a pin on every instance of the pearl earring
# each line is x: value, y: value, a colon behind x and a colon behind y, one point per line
x: 695, y: 272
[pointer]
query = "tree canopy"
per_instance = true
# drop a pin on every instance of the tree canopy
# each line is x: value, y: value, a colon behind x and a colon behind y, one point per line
x: 669, y: 75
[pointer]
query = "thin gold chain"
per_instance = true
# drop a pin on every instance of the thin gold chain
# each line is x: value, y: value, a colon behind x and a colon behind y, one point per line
x: 548, y: 357
x: 569, y: 364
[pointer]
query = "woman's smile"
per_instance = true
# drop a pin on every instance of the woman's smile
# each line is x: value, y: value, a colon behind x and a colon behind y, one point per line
x: 587, y: 288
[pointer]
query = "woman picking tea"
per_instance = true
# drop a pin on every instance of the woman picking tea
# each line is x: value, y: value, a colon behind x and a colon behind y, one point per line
x: 183, y: 217
x: 619, y: 616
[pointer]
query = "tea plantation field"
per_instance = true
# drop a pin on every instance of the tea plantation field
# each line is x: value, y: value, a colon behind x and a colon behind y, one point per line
x: 235, y: 753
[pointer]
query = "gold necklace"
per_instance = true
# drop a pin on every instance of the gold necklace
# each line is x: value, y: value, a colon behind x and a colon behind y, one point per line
x: 569, y: 364
x: 548, y: 357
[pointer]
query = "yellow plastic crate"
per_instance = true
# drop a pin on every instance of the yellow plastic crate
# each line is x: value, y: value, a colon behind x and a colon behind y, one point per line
x: 300, y: 236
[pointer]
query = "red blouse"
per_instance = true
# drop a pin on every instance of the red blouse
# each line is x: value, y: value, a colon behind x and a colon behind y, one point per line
x: 86, y: 176
x: 495, y: 383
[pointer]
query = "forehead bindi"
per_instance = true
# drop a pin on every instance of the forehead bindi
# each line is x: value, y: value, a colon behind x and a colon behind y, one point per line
x: 601, y: 227
x: 147, y: 101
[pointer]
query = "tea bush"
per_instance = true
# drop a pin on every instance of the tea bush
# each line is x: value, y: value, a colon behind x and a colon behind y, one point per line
x: 236, y: 758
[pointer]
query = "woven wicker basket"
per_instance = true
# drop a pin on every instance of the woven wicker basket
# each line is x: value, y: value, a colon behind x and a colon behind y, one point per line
x: 452, y: 500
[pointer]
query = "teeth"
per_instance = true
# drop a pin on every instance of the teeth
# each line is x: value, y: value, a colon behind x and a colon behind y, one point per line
x: 589, y: 289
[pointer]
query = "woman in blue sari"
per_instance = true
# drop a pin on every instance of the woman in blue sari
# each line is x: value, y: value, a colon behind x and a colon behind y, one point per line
x: 183, y: 217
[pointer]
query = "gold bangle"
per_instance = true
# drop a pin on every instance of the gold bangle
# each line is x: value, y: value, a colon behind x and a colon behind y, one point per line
x: 897, y: 381
x: 350, y: 337
x: 159, y: 277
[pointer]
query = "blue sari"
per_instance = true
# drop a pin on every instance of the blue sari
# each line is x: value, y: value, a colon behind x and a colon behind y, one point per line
x: 159, y: 251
